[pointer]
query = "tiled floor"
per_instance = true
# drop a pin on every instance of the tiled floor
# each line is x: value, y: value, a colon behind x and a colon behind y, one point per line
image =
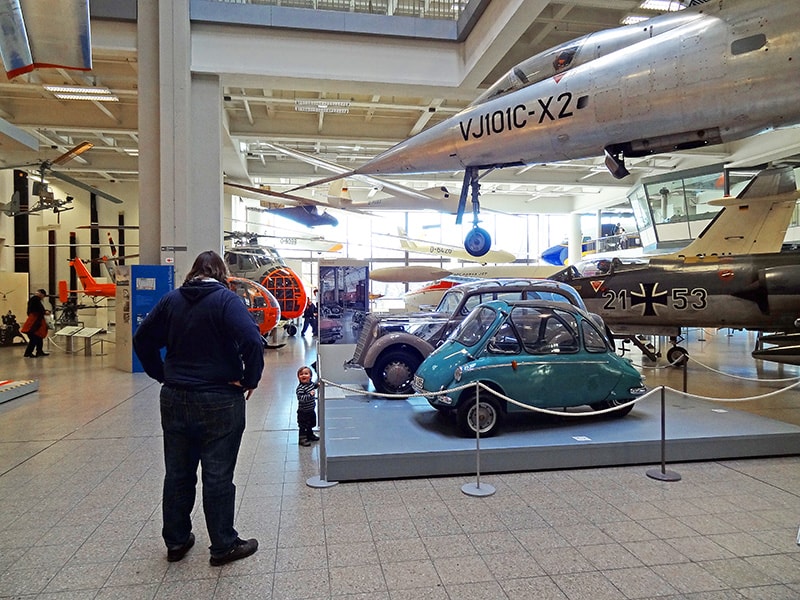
x: 81, y: 470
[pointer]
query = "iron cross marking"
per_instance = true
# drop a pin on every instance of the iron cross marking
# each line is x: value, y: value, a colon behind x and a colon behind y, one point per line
x: 649, y: 297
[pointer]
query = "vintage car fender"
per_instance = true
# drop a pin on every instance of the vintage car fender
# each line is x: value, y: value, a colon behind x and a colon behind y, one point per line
x: 398, y: 338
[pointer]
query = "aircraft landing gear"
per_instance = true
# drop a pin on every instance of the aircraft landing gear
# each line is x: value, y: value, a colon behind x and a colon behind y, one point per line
x: 478, y: 241
x: 615, y: 163
x: 677, y: 356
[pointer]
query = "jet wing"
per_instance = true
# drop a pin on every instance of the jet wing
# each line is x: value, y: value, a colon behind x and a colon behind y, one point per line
x: 418, y: 199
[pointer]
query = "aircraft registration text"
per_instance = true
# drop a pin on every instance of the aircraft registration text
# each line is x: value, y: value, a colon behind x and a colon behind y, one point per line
x: 649, y: 296
x: 551, y: 108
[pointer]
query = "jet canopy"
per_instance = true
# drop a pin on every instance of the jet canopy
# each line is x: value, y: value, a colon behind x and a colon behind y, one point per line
x: 579, y: 51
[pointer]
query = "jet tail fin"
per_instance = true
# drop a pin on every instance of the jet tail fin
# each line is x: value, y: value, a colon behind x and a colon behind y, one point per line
x: 754, y: 222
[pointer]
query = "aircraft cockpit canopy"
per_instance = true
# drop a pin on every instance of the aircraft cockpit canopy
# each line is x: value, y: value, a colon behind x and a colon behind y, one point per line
x: 534, y: 69
x: 579, y: 51
x: 252, y: 259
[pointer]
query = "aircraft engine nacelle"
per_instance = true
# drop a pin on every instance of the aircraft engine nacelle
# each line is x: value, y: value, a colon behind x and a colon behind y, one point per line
x: 781, y: 281
x: 781, y: 286
x: 668, y: 143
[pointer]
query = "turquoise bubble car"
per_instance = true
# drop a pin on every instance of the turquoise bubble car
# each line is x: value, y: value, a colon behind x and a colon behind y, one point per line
x: 537, y: 353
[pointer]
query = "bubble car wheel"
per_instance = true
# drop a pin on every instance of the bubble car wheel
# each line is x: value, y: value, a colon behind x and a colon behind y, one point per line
x: 486, y: 415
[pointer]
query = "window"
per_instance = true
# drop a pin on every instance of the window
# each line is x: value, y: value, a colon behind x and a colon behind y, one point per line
x: 593, y: 339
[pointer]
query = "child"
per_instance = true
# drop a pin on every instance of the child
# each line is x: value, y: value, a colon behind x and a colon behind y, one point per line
x: 306, y: 403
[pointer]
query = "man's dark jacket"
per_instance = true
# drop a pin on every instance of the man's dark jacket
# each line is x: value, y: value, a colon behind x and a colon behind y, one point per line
x: 210, y: 338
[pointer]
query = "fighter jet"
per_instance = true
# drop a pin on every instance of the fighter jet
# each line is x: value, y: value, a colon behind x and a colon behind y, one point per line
x: 707, y: 75
x: 732, y: 275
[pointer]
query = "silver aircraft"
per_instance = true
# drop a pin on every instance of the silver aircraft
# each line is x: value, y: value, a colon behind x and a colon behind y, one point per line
x: 707, y: 75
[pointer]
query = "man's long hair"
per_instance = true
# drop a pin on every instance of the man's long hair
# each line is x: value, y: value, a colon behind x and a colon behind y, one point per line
x: 208, y: 264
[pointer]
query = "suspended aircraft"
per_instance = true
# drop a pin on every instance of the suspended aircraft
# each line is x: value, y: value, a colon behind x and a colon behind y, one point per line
x: 46, y: 200
x: 732, y: 275
x: 707, y: 75
x: 305, y: 211
x: 447, y: 251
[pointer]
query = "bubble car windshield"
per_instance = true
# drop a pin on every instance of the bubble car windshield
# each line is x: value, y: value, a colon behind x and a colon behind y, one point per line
x: 473, y: 328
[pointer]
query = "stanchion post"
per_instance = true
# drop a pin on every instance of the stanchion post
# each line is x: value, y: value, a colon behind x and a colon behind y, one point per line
x: 475, y: 489
x: 662, y: 474
x: 685, y: 375
x: 320, y: 481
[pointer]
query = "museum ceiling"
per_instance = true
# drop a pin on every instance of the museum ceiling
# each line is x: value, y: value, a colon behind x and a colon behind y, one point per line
x: 345, y: 123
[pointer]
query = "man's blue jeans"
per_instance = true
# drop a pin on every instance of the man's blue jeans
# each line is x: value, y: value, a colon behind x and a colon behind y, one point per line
x: 200, y: 428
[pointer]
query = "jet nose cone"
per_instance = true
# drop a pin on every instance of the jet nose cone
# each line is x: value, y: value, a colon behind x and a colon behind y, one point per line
x: 428, y: 152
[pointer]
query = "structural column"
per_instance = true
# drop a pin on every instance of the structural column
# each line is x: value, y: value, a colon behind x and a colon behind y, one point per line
x: 180, y: 123
x: 575, y: 238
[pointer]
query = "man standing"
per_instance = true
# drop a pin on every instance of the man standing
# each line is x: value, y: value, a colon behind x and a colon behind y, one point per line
x: 310, y: 317
x: 214, y: 360
x: 36, y: 325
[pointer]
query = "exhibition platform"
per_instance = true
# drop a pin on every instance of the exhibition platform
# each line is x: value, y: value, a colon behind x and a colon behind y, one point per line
x: 375, y: 438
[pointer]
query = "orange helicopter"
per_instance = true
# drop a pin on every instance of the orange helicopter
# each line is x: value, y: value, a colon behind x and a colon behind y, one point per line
x: 261, y: 304
x: 263, y: 264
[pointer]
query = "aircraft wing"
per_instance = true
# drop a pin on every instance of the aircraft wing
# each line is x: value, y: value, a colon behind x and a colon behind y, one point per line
x: 256, y: 193
x: 417, y: 199
x: 420, y: 273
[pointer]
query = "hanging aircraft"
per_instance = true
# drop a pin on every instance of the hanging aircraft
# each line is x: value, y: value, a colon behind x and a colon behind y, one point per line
x: 445, y: 250
x: 301, y: 210
x: 46, y: 200
x: 732, y: 275
x: 707, y: 75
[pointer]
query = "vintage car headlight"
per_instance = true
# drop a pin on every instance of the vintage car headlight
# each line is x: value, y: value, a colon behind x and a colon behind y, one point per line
x: 457, y: 373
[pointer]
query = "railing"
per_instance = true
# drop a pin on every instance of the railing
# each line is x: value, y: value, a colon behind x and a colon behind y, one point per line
x: 423, y: 9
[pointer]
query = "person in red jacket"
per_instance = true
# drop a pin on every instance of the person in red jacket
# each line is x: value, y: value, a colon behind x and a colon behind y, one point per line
x: 214, y: 360
x: 35, y: 325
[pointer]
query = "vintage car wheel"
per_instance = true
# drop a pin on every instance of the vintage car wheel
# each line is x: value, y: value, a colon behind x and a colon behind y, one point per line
x: 617, y: 414
x: 488, y: 415
x: 394, y: 371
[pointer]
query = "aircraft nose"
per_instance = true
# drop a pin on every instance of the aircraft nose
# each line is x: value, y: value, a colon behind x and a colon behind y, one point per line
x: 427, y: 152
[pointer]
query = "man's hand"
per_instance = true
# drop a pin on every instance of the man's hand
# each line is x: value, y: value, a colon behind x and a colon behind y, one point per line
x: 247, y: 392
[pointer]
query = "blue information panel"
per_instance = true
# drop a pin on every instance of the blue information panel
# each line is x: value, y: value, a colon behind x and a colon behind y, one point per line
x: 148, y: 283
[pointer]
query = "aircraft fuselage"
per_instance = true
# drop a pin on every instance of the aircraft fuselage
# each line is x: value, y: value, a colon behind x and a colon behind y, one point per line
x: 708, y: 75
x: 760, y: 292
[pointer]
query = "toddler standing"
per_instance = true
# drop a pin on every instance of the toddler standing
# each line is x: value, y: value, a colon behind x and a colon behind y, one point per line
x: 306, y: 405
